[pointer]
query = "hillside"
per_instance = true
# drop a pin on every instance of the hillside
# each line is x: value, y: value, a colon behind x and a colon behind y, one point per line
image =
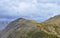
x: 55, y: 20
x: 53, y: 25
x: 23, y: 28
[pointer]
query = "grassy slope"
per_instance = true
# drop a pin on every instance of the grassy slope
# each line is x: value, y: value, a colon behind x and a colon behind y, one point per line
x: 23, y: 28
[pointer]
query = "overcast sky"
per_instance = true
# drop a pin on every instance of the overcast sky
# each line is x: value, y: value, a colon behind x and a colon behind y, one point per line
x: 32, y: 9
x: 38, y: 10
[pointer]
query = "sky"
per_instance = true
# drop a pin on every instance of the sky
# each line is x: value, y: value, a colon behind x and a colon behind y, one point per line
x: 39, y: 10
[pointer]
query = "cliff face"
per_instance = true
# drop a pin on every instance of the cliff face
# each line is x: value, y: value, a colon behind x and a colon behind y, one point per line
x: 22, y: 28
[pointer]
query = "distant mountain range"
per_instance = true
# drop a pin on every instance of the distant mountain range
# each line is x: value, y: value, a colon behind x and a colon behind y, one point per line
x: 3, y: 24
x: 23, y: 28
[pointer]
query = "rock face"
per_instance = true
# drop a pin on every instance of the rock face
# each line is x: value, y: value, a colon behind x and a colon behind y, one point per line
x: 22, y: 28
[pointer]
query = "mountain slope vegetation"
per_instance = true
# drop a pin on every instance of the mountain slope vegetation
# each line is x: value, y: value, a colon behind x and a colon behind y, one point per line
x: 23, y: 28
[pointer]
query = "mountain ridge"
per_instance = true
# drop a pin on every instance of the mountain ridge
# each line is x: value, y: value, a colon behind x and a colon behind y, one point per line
x: 23, y: 28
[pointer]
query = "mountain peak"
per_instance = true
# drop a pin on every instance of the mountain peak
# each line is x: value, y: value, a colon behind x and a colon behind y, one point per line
x: 23, y: 28
x: 20, y: 19
x: 54, y: 20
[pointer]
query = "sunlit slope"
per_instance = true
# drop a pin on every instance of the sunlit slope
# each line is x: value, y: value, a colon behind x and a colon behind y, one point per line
x: 53, y: 25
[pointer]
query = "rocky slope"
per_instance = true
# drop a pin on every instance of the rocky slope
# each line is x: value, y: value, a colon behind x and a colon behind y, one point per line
x: 53, y: 25
x: 22, y: 28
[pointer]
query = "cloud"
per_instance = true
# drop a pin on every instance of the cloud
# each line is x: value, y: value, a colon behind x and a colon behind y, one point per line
x: 39, y: 10
x: 31, y: 9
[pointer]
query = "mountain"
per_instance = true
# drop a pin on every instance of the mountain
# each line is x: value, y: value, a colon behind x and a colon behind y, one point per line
x: 23, y: 28
x: 0, y: 33
x: 54, y: 20
x: 3, y: 24
x: 53, y: 25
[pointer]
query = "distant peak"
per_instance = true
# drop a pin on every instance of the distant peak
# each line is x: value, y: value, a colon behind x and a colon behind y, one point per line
x: 21, y: 19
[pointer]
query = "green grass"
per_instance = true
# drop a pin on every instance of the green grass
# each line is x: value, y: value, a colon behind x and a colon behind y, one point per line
x: 41, y: 35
